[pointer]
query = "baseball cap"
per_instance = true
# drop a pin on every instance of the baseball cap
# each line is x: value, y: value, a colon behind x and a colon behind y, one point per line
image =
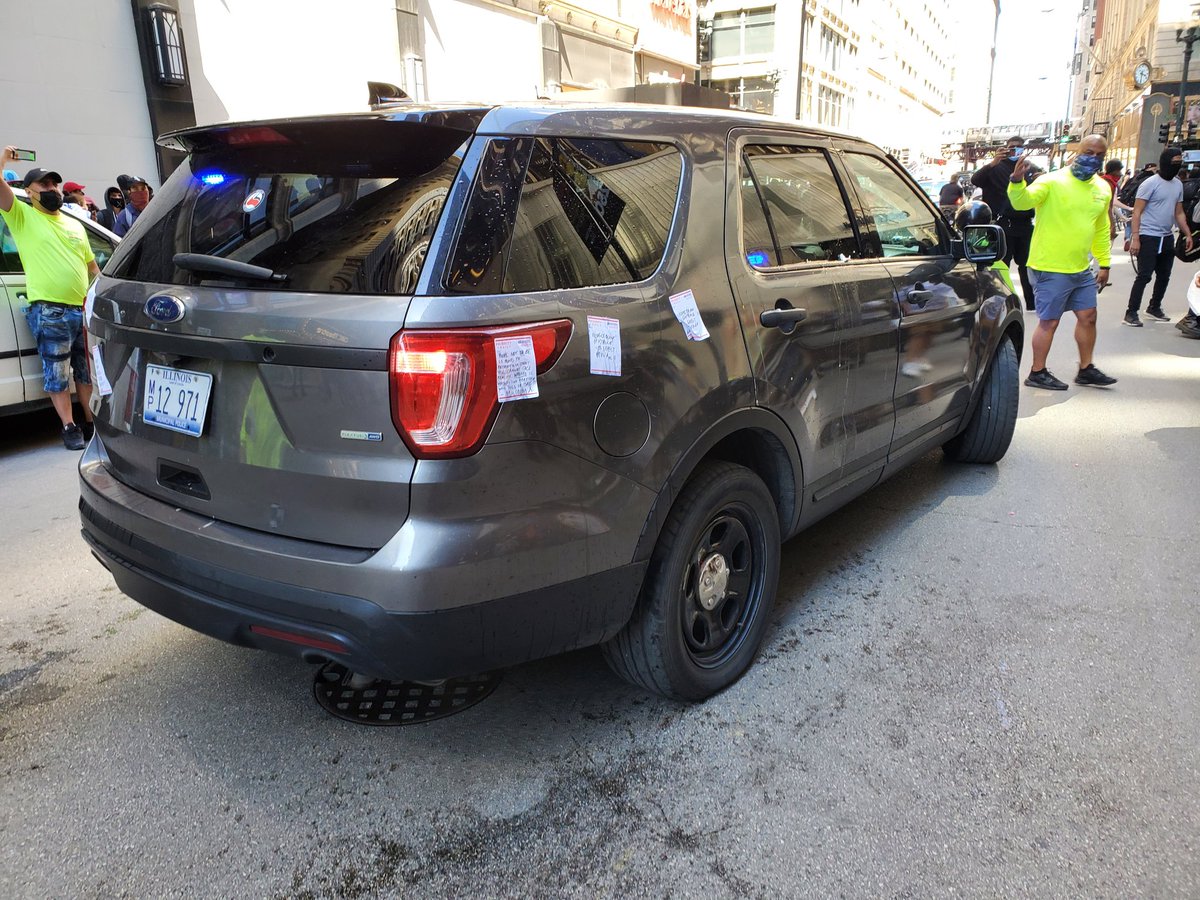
x: 35, y: 175
x: 131, y: 180
x: 72, y: 186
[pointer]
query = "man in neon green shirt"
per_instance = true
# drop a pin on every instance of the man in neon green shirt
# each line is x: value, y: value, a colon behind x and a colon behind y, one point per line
x: 59, y: 265
x: 1072, y: 219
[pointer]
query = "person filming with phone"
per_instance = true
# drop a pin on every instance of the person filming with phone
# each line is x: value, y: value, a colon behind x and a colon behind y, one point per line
x: 59, y: 265
x: 993, y: 180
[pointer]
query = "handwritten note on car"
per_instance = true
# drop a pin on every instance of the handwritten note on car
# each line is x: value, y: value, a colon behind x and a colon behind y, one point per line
x: 101, y: 379
x: 684, y: 306
x: 516, y: 369
x: 604, y: 339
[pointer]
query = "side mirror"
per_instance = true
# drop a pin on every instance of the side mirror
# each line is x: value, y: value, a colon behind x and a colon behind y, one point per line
x: 982, y: 243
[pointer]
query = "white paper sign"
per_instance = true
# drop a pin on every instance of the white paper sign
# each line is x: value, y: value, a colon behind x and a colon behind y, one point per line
x: 102, y: 384
x: 684, y: 306
x: 88, y: 302
x: 516, y: 369
x: 604, y: 338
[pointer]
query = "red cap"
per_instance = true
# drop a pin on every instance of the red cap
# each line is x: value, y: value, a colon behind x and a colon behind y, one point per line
x: 72, y: 186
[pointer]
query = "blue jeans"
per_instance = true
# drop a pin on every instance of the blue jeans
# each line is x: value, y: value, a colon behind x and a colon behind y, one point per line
x: 58, y: 330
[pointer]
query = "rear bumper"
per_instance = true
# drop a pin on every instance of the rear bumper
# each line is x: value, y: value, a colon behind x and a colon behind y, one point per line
x: 366, y: 638
x: 198, y: 573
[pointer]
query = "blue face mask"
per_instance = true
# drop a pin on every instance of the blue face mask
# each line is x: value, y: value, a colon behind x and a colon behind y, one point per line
x: 1086, y: 165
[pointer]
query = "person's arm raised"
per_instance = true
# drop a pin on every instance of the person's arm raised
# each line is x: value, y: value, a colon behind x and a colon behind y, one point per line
x: 7, y: 197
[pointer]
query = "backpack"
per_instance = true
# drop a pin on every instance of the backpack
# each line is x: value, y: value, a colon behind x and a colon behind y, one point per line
x: 1129, y: 193
x: 1191, y: 194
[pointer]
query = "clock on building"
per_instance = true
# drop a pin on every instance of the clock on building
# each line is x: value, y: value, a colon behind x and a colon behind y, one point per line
x: 1141, y: 74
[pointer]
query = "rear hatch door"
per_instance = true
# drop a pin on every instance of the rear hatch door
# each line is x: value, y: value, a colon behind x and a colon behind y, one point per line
x: 244, y: 322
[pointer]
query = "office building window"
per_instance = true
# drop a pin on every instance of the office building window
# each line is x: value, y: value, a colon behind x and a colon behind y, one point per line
x: 833, y: 46
x: 747, y: 32
x: 167, y: 44
x: 829, y: 106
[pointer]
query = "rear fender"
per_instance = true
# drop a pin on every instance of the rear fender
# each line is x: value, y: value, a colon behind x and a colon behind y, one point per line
x: 753, y: 437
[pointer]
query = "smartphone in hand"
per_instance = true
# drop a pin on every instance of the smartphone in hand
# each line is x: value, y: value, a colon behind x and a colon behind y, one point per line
x: 25, y: 155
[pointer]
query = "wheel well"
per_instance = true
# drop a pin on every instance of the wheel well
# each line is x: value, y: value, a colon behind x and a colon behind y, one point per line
x: 763, y: 454
x: 1014, y: 333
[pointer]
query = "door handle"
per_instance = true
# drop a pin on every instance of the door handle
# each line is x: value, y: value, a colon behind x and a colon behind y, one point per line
x: 781, y: 318
x: 920, y: 298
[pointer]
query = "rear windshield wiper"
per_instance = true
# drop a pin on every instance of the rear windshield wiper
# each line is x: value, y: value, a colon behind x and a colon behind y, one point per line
x: 202, y: 262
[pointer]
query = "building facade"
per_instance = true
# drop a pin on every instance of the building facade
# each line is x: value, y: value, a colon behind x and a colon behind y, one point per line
x: 1133, y: 88
x: 889, y: 70
x: 132, y: 69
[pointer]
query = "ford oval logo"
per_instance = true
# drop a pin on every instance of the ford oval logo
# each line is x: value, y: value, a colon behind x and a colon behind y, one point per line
x: 165, y: 308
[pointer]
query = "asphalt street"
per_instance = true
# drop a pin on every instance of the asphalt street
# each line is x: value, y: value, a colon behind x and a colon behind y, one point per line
x: 981, y: 681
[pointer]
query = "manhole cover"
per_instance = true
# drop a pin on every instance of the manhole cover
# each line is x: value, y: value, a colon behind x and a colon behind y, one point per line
x: 340, y: 692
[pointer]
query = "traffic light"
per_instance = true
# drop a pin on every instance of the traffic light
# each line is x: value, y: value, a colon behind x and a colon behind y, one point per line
x: 1163, y: 131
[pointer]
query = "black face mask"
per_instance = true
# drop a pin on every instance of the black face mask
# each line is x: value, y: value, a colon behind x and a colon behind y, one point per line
x: 1167, y: 167
x: 51, y: 201
x: 116, y: 202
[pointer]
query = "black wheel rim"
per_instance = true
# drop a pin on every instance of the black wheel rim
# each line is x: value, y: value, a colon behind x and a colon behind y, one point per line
x: 722, y: 587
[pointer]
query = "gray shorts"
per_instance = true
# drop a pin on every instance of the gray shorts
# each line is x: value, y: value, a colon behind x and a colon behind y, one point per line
x: 1056, y: 292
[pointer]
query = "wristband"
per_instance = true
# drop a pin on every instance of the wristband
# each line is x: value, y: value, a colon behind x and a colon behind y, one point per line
x: 1105, y: 268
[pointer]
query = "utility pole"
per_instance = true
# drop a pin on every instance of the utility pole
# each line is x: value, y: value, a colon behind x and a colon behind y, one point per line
x: 1187, y: 37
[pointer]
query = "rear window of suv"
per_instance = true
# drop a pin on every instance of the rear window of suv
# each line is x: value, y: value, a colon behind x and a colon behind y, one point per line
x: 341, y: 221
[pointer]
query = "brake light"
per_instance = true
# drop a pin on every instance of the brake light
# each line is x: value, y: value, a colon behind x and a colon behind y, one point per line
x: 252, y: 136
x: 443, y: 383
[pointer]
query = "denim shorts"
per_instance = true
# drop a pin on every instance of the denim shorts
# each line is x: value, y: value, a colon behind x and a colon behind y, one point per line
x: 58, y: 330
x: 1056, y: 292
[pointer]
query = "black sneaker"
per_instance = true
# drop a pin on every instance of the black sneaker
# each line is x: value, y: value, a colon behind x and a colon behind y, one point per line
x: 1191, y: 331
x: 1093, y: 376
x: 1156, y: 313
x: 88, y: 429
x: 72, y: 437
x: 1131, y: 318
x: 1188, y: 321
x: 1044, y: 379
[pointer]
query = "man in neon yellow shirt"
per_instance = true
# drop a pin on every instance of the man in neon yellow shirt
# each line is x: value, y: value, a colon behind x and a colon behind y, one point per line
x: 1072, y: 219
x: 59, y: 264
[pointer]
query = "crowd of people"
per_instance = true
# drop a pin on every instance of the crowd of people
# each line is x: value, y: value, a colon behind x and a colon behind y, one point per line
x: 1060, y: 229
x: 123, y: 202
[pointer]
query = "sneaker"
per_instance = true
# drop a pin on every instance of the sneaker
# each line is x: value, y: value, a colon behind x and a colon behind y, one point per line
x: 72, y: 437
x: 1131, y: 318
x: 1093, y: 376
x: 1156, y: 313
x: 1192, y: 331
x: 1044, y: 379
x: 88, y: 429
x: 1188, y: 321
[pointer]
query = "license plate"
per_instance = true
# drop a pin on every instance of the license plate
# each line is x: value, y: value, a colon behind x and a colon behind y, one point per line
x: 176, y: 399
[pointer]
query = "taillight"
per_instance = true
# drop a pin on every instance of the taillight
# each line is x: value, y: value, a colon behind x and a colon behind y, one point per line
x: 443, y: 383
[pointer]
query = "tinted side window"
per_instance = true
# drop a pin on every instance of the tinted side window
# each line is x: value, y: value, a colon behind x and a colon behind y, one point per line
x: 906, y: 226
x: 589, y: 212
x: 804, y: 205
x: 592, y: 212
x: 9, y: 260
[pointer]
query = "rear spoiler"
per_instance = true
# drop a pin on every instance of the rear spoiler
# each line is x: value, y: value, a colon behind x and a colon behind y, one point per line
x: 330, y: 132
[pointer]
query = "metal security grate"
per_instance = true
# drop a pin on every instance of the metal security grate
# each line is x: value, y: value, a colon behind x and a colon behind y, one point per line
x: 340, y: 692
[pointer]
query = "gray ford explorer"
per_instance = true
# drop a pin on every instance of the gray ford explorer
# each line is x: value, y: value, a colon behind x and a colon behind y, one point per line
x: 439, y: 389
